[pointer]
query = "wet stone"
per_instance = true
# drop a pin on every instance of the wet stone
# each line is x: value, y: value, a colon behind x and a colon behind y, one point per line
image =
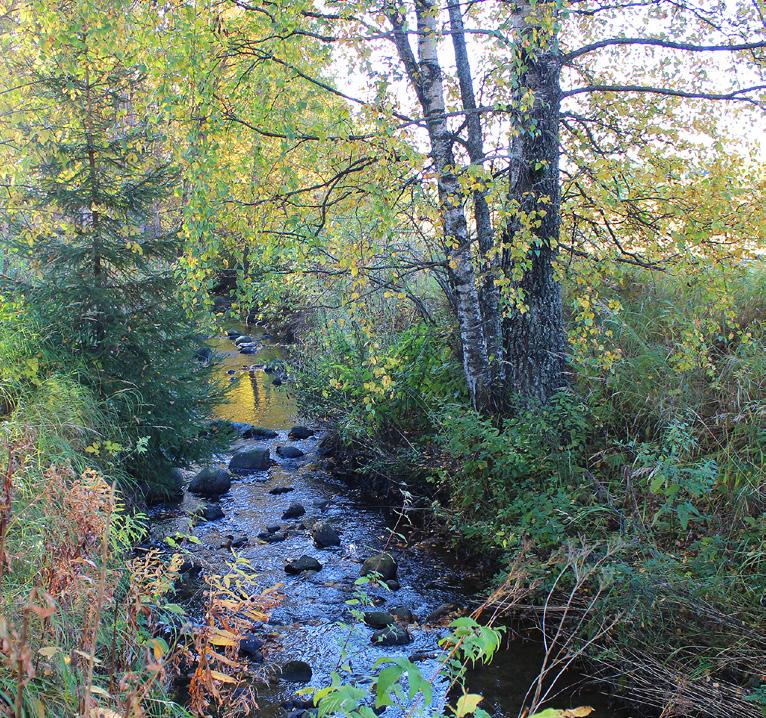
x: 300, y: 432
x: 382, y: 564
x: 378, y: 619
x: 257, y: 459
x: 277, y: 490
x: 250, y: 646
x: 301, y: 564
x: 275, y: 537
x: 296, y: 672
x: 325, y: 535
x: 259, y: 432
x: 440, y: 613
x: 294, y: 511
x: 212, y: 512
x: 391, y: 636
x: 289, y: 452
x: 211, y: 481
x: 402, y: 614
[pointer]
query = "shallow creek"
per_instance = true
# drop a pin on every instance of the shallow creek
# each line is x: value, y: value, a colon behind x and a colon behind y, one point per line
x: 313, y: 622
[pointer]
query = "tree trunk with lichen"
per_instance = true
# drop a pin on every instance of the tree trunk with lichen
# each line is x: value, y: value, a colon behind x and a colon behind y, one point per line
x: 534, y: 333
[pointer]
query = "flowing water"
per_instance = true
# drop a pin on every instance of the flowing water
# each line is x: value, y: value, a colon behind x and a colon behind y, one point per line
x: 314, y: 623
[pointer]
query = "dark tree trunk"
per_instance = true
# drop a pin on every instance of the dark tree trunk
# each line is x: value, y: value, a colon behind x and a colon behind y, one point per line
x: 535, y: 338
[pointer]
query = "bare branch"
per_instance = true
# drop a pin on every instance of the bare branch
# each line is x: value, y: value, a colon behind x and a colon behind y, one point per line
x: 658, y: 42
x: 734, y: 95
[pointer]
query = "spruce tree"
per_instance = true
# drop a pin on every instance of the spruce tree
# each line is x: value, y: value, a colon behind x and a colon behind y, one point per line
x: 95, y: 246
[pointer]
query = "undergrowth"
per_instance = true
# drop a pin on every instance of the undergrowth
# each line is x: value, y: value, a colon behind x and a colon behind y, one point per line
x: 654, y: 456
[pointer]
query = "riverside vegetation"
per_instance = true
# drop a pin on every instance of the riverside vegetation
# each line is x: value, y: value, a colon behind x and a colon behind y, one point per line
x: 520, y: 248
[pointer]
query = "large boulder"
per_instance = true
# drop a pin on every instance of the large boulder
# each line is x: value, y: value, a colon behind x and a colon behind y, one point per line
x: 300, y: 432
x: 301, y: 564
x: 243, y: 339
x: 289, y: 452
x: 325, y: 535
x: 211, y: 481
x: 257, y: 459
x: 382, y: 564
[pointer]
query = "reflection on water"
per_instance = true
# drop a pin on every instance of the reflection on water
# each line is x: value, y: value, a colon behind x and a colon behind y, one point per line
x: 253, y: 398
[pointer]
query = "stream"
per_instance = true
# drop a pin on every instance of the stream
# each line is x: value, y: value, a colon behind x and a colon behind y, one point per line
x: 313, y: 623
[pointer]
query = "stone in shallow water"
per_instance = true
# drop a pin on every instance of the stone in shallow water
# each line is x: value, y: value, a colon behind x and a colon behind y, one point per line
x: 289, y: 452
x: 272, y: 536
x: 239, y: 541
x: 378, y: 619
x: 325, y: 535
x: 391, y: 636
x: 212, y: 512
x: 300, y: 432
x: 440, y: 613
x: 402, y: 614
x: 296, y: 672
x: 301, y: 564
x: 294, y: 511
x: 257, y: 459
x: 259, y: 432
x: 281, y: 490
x: 243, y: 339
x: 382, y: 564
x: 211, y: 481
x: 250, y: 646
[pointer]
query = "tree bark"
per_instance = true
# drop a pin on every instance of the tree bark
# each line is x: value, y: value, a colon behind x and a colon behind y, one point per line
x: 489, y: 294
x: 425, y: 75
x: 535, y: 337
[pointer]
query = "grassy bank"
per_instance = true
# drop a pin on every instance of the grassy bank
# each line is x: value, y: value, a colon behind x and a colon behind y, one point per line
x: 76, y: 632
x: 634, y: 502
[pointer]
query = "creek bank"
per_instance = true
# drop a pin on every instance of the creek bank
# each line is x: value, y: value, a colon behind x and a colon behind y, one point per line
x: 421, y: 586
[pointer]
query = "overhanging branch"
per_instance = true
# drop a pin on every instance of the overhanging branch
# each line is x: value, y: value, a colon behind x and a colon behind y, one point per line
x: 658, y: 42
x: 735, y: 95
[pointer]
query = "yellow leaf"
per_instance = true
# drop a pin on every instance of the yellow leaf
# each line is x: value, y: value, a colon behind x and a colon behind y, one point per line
x: 222, y: 639
x: 222, y: 677
x: 467, y: 703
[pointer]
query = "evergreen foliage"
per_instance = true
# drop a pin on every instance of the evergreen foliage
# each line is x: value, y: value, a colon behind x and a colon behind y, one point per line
x: 94, y: 253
